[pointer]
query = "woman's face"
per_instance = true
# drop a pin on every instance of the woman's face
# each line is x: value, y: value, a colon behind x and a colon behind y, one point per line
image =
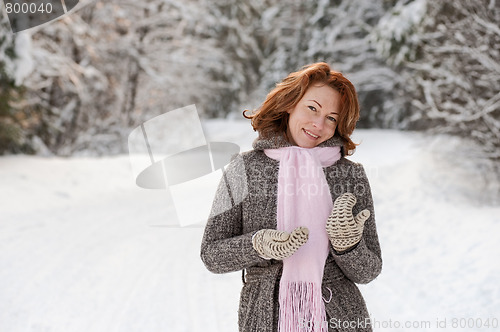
x: 314, y: 119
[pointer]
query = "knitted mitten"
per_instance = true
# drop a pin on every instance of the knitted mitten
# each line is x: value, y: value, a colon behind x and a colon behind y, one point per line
x: 343, y: 229
x: 270, y: 243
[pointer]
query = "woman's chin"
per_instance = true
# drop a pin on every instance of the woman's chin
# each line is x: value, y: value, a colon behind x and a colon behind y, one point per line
x: 307, y: 145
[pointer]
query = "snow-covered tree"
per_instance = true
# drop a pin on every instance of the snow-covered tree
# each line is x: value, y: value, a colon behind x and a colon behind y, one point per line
x: 15, y: 65
x: 447, y: 53
x: 110, y: 65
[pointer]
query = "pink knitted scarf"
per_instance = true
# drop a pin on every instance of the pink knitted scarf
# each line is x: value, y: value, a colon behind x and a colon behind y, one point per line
x: 303, y: 200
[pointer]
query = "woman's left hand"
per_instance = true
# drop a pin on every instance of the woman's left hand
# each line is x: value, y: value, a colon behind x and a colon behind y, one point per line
x: 343, y: 229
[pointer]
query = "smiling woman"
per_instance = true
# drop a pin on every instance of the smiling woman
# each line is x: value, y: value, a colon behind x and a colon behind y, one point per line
x: 301, y: 232
x: 327, y: 94
x: 314, y: 119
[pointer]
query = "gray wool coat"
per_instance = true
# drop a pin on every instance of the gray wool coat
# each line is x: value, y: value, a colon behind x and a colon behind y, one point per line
x: 245, y: 203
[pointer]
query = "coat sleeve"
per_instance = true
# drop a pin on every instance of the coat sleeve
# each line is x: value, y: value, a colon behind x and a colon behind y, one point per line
x: 363, y: 262
x: 224, y: 247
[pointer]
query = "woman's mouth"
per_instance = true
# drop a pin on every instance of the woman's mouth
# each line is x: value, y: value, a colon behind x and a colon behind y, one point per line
x: 311, y: 135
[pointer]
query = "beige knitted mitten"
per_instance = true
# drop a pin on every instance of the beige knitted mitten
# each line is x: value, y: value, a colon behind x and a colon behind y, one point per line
x: 343, y: 229
x: 271, y: 243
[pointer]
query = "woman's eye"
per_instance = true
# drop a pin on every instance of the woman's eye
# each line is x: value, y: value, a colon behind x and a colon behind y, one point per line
x: 312, y: 108
x: 331, y: 118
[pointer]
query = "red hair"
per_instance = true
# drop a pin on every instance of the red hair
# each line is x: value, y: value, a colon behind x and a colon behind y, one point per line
x: 271, y: 117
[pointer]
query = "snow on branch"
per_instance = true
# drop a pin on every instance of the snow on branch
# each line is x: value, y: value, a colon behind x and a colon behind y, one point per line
x: 453, y: 75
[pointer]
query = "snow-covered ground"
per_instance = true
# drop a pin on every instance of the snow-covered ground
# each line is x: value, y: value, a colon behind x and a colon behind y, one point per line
x: 83, y: 249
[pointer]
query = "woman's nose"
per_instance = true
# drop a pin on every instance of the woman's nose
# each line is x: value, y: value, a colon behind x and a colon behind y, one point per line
x: 318, y: 123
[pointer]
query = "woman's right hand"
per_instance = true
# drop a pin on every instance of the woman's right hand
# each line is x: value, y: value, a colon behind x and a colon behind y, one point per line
x: 274, y: 244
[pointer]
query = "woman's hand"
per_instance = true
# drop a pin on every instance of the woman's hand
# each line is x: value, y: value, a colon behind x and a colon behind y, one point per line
x: 343, y: 229
x: 274, y: 244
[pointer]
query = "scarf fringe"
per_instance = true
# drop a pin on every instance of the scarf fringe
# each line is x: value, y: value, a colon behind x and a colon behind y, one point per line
x: 301, y: 308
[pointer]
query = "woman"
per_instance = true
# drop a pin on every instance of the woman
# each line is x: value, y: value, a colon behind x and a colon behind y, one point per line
x: 295, y: 214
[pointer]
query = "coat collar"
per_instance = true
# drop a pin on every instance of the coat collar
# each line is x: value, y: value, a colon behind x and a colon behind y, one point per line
x: 279, y: 141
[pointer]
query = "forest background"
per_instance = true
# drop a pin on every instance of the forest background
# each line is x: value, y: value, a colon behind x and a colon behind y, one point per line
x: 79, y: 85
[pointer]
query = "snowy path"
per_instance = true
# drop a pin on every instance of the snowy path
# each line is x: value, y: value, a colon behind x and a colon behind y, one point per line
x: 83, y: 249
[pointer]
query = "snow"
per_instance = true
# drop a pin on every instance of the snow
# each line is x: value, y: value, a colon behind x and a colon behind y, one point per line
x: 397, y: 26
x: 82, y: 248
x: 20, y: 67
